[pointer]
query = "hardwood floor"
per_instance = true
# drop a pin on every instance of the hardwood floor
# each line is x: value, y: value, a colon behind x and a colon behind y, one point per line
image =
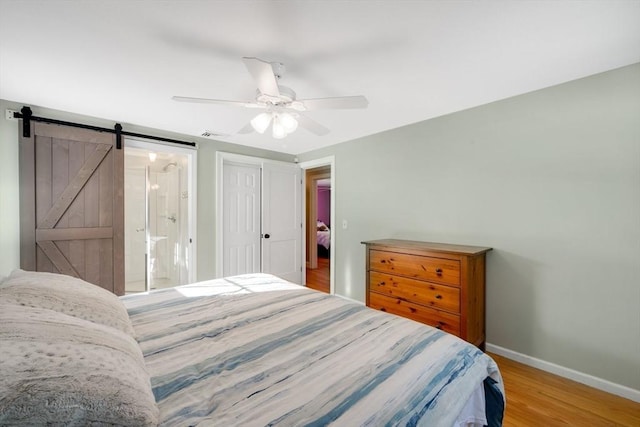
x: 538, y: 398
x: 319, y: 278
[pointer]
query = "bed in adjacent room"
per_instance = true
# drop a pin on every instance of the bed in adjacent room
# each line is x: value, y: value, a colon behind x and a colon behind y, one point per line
x: 245, y: 350
x: 323, y: 239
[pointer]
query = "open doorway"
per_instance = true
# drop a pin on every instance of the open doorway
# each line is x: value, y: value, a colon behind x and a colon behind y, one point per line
x: 319, y: 247
x: 159, y: 216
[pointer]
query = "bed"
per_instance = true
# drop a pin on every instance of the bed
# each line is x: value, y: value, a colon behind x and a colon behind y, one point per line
x: 245, y: 350
x: 323, y: 239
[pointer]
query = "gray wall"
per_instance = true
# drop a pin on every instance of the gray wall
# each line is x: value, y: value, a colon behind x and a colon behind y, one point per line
x: 551, y: 181
x: 9, y: 196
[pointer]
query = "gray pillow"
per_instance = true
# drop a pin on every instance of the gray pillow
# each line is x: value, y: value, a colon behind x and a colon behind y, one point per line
x: 68, y: 295
x: 60, y: 370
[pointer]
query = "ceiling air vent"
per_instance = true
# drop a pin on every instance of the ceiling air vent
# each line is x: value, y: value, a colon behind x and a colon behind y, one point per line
x: 210, y: 134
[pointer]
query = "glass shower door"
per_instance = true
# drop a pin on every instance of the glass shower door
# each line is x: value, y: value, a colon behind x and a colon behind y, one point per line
x: 166, y: 244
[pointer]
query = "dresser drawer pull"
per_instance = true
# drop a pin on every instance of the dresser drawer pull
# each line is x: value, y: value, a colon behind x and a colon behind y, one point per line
x: 438, y: 327
x: 383, y: 309
x: 438, y: 296
x: 439, y: 271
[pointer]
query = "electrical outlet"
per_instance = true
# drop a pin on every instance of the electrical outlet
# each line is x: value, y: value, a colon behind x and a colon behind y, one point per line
x: 8, y: 114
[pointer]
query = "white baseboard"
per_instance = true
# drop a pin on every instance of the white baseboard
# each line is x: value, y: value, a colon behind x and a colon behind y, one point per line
x: 349, y: 299
x: 590, y: 380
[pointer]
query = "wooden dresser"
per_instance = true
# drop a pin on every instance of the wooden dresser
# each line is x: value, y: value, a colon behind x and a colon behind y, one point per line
x: 439, y: 284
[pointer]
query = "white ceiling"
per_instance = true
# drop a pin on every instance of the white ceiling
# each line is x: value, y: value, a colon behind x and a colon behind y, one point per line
x: 414, y: 60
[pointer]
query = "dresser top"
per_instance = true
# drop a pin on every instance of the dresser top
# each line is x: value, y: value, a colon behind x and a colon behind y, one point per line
x: 428, y: 246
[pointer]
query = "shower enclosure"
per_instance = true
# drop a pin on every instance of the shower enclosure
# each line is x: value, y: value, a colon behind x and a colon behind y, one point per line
x: 158, y: 242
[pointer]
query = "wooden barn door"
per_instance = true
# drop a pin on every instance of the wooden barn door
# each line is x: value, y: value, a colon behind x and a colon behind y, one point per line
x: 72, y: 204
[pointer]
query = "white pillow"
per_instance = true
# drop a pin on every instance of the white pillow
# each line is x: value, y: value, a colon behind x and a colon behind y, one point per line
x: 60, y: 370
x: 68, y: 295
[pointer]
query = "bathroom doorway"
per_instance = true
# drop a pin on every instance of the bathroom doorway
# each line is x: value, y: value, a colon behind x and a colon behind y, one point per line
x: 159, y: 216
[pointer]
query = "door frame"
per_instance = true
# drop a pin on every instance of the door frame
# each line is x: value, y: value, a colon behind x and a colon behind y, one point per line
x: 312, y: 206
x: 312, y: 164
x: 221, y: 157
x: 192, y: 187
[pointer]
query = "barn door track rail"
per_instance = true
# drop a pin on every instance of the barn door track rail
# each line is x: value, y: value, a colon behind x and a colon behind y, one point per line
x: 27, y: 117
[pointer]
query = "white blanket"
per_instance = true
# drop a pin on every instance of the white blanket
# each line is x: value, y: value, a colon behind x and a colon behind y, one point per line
x: 254, y: 350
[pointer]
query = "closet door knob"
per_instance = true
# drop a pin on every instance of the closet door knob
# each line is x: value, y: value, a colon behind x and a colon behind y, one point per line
x: 266, y: 236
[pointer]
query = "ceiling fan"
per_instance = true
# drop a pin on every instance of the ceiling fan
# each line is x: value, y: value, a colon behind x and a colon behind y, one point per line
x: 282, y: 110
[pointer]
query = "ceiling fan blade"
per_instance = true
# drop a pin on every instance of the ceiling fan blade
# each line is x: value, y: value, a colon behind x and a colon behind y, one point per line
x: 217, y: 101
x: 247, y: 129
x: 342, y: 102
x: 262, y: 73
x: 312, y: 126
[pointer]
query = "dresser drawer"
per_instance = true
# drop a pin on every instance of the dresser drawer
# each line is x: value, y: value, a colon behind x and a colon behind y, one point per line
x: 439, y: 319
x: 430, y: 294
x: 439, y: 270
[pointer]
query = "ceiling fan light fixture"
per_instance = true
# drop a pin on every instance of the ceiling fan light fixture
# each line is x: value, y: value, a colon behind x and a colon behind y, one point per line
x: 288, y: 121
x: 279, y: 103
x: 278, y: 130
x: 261, y: 122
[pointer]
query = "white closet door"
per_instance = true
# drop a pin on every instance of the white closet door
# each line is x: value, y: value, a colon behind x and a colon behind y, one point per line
x: 241, y: 219
x: 282, y: 221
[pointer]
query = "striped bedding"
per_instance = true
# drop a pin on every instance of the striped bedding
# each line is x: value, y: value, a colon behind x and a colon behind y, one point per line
x: 255, y: 350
